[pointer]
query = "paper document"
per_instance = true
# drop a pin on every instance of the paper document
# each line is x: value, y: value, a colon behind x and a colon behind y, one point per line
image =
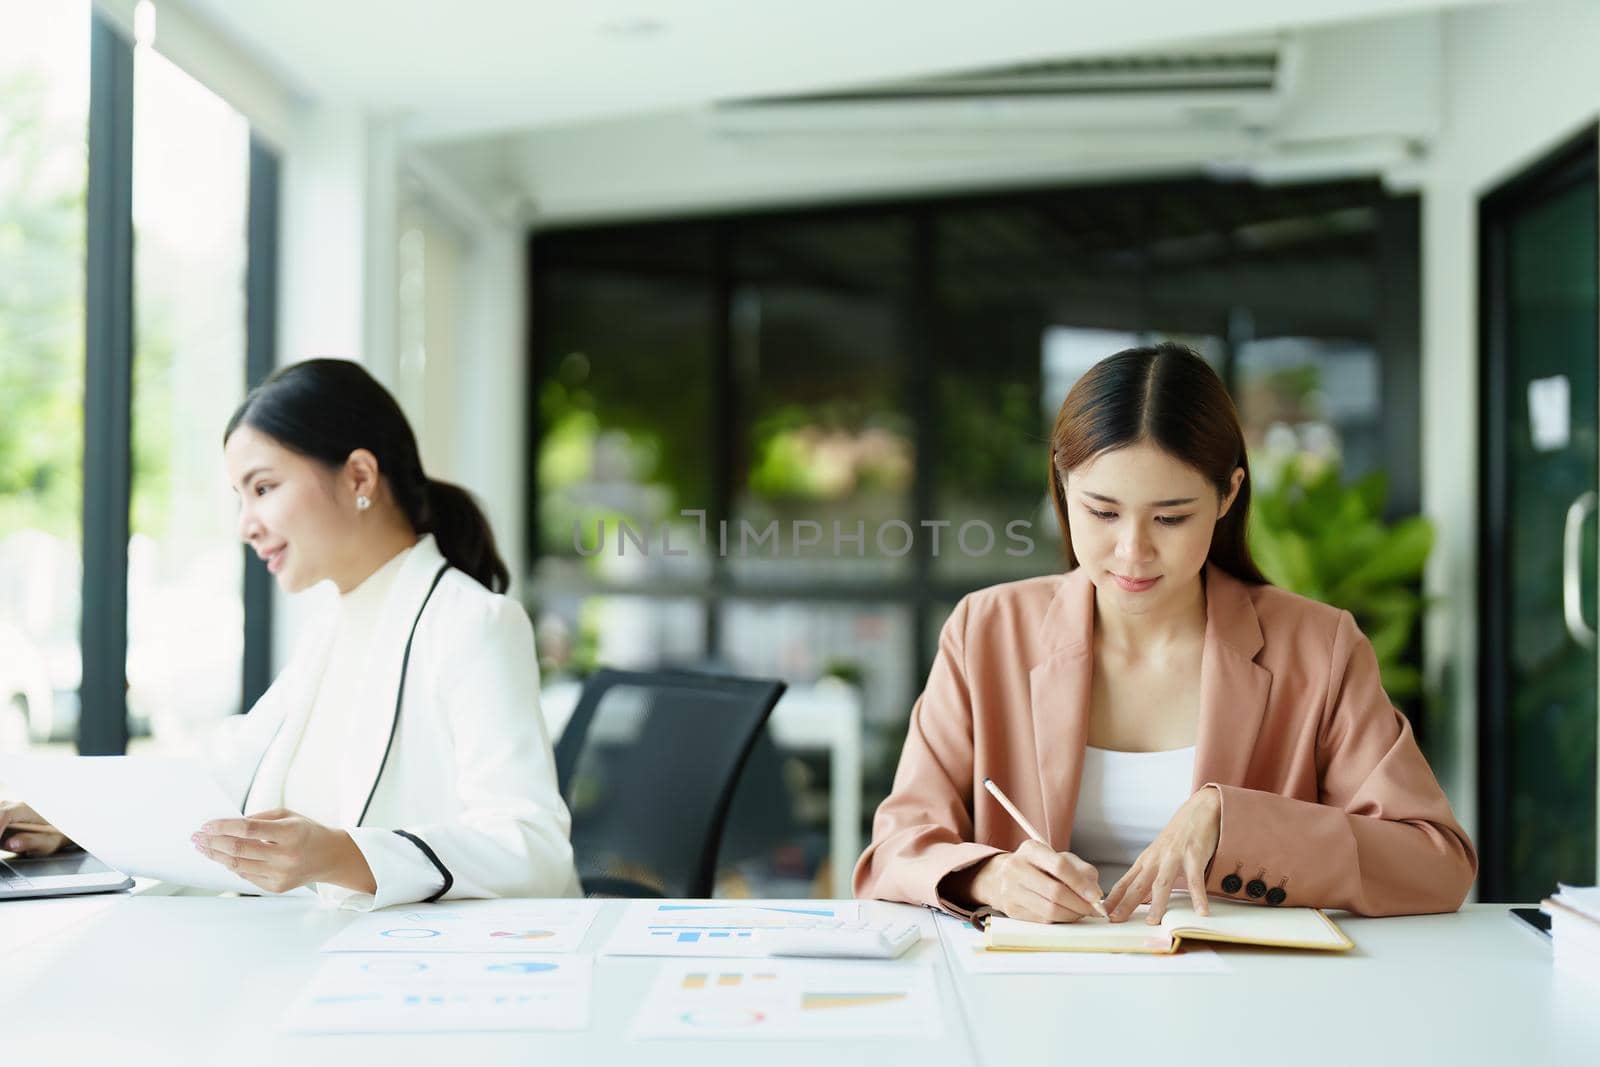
x: 543, y: 926
x: 716, y: 927
x: 415, y: 993
x: 135, y: 813
x: 786, y: 999
x: 1582, y: 899
x: 966, y: 948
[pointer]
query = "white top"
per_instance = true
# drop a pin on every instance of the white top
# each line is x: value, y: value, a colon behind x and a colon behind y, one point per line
x: 311, y: 787
x: 1124, y: 801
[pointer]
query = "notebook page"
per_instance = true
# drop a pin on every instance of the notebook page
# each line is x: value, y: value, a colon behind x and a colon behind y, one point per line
x: 1227, y: 921
x: 1089, y: 934
x: 1304, y: 927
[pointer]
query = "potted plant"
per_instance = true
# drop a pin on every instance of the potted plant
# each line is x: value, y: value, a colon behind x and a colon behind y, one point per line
x: 1315, y: 535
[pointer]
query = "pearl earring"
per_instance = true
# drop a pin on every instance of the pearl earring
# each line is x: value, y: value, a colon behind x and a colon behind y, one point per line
x: 363, y: 502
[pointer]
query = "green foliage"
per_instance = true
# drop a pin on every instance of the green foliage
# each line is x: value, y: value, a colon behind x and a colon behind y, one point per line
x: 828, y: 452
x: 1314, y: 535
x: 41, y: 315
x: 989, y: 441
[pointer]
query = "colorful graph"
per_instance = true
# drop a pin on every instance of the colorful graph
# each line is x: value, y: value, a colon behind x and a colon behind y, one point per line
x: 823, y: 912
x: 725, y: 979
x: 524, y: 935
x: 693, y: 934
x: 522, y: 967
x: 410, y: 933
x: 830, y: 1001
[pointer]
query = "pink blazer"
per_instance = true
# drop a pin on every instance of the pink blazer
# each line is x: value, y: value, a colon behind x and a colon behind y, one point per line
x: 1325, y: 794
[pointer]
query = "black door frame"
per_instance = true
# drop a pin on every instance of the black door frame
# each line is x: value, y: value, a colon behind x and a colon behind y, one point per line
x: 1575, y: 159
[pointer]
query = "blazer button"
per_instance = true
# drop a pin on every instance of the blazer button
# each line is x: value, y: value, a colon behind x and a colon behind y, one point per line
x: 1231, y: 883
x: 1256, y: 889
x: 1276, y: 895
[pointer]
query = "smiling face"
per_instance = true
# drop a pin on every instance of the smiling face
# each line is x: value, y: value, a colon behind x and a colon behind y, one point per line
x: 1141, y: 523
x: 290, y: 509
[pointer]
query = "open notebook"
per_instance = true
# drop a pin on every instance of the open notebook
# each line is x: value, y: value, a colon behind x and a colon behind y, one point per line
x: 1239, y: 923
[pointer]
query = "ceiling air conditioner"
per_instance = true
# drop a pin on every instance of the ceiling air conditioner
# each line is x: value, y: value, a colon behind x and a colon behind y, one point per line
x: 1235, y: 86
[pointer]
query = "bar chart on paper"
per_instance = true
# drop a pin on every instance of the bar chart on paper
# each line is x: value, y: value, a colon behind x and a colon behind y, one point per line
x: 787, y: 999
x: 716, y: 927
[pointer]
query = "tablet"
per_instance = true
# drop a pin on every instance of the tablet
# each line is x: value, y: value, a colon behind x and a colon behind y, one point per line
x: 64, y: 875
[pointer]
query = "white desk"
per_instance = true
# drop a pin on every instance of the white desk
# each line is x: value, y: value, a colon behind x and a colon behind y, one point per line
x: 185, y: 980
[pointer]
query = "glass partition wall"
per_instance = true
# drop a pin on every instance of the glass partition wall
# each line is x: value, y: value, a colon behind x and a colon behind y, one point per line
x: 785, y: 444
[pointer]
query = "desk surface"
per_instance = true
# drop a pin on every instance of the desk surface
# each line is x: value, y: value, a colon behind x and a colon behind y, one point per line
x: 195, y: 980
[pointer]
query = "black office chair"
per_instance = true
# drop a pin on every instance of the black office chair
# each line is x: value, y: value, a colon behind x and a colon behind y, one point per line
x: 648, y: 764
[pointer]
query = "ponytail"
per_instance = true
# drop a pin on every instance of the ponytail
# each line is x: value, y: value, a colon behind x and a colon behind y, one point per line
x: 464, y: 535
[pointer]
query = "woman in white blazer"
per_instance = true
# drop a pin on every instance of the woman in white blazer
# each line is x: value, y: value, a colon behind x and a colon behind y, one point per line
x: 401, y: 754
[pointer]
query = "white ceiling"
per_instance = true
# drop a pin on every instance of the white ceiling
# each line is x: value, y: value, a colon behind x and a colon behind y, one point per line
x: 466, y: 67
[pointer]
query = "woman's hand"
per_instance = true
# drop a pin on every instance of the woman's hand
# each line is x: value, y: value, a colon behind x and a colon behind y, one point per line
x: 1038, y: 884
x: 23, y: 832
x: 279, y: 851
x: 1185, y: 847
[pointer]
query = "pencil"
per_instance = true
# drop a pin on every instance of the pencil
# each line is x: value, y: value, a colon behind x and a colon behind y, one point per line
x: 1027, y: 827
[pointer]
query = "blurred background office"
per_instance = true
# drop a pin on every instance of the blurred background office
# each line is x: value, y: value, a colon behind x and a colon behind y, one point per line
x: 747, y: 322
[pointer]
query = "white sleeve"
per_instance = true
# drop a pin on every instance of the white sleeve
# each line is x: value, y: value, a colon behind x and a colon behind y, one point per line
x: 401, y: 869
x: 511, y: 835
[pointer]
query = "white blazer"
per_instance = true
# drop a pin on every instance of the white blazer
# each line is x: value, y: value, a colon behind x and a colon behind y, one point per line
x: 466, y: 804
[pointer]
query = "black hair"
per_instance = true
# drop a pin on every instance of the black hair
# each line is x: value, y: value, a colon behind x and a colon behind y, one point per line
x: 1166, y: 394
x: 325, y: 409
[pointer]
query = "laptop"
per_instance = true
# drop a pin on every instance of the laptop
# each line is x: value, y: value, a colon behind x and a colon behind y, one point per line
x: 62, y: 875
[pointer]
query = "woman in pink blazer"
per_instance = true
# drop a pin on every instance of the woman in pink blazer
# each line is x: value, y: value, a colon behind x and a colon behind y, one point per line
x: 1160, y: 665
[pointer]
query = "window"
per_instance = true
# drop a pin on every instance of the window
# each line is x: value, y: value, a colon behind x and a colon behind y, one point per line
x: 624, y: 405
x: 104, y: 431
x: 824, y: 432
x: 185, y: 578
x: 44, y: 107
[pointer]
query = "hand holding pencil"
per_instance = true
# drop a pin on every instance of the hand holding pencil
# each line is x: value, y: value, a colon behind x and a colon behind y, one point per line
x: 1036, y: 882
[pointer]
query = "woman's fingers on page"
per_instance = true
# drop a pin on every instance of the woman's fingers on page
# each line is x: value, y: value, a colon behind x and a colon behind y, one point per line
x: 1136, y: 890
x: 1162, y: 888
x: 1194, y: 874
x: 1114, y: 897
